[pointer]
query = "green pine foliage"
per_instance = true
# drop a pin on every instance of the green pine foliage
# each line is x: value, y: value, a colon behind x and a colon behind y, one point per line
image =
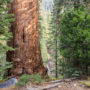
x: 75, y: 41
x: 5, y: 23
x: 26, y: 79
x: 5, y: 35
x: 4, y: 66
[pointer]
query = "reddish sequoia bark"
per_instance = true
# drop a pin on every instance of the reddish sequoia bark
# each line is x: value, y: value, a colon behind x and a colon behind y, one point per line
x: 27, y: 56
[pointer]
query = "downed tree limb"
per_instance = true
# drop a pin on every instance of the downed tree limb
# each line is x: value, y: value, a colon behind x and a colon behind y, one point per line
x: 64, y: 80
x: 52, y: 84
x: 45, y: 87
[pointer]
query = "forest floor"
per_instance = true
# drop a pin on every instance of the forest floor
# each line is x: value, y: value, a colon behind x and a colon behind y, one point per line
x: 71, y: 86
x: 64, y: 85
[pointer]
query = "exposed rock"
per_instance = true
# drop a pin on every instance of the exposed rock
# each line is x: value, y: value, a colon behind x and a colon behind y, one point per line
x: 10, y: 82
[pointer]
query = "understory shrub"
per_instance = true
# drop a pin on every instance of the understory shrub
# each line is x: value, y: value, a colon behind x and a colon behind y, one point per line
x: 86, y: 82
x: 38, y: 78
x: 24, y: 79
x: 67, y: 69
x: 75, y: 42
x: 34, y: 78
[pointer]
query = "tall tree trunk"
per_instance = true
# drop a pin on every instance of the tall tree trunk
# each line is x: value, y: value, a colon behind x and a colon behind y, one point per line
x: 27, y: 56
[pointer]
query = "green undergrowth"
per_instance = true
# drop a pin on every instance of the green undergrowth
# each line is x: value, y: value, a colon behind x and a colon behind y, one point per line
x: 53, y: 78
x: 25, y: 79
x: 86, y: 82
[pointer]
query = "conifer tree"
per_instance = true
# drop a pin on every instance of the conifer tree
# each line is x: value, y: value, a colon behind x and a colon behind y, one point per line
x: 5, y: 35
x: 5, y: 23
x: 74, y: 41
x: 54, y: 32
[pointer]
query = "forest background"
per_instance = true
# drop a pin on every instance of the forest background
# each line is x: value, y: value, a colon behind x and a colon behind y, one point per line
x: 64, y: 36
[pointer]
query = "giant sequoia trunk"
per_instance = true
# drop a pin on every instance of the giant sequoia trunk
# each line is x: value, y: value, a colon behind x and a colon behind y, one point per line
x: 27, y: 56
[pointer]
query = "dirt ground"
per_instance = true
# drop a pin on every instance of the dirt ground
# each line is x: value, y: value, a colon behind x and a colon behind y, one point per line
x: 75, y: 85
x: 71, y: 86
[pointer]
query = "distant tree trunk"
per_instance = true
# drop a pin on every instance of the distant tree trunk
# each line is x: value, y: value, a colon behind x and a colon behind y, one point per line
x: 76, y: 2
x: 27, y: 56
x: 56, y: 53
x: 80, y: 1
